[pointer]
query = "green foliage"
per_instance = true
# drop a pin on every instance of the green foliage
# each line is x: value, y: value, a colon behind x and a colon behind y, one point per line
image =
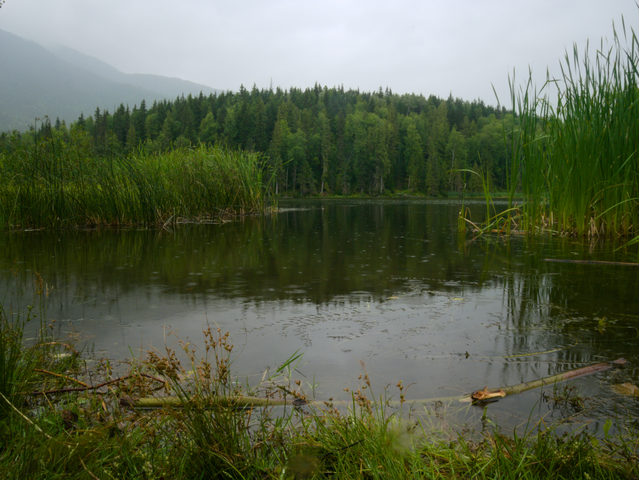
x: 318, y: 140
x: 576, y: 158
x: 58, y: 180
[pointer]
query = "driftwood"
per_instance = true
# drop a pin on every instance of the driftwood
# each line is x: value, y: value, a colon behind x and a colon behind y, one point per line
x: 224, y: 401
x: 478, y: 396
x: 590, y: 262
x: 560, y: 377
x: 84, y: 385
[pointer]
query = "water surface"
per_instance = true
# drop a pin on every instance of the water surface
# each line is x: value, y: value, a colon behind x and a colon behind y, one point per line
x: 382, y: 285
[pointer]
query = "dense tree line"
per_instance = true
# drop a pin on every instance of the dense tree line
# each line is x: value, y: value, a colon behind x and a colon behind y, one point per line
x: 320, y: 140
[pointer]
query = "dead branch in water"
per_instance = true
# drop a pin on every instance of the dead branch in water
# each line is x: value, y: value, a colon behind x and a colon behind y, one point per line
x: 485, y: 394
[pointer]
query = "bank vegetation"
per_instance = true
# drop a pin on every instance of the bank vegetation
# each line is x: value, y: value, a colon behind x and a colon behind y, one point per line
x: 67, y: 414
x: 575, y: 149
x: 58, y: 181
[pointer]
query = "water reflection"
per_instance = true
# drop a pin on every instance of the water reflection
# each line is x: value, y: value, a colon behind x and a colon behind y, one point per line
x: 385, y: 283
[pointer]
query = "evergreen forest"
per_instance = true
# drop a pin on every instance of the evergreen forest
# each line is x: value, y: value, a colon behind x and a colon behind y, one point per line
x: 320, y: 140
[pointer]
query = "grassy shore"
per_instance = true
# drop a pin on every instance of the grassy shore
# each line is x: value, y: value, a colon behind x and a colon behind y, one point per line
x: 575, y: 157
x: 62, y: 182
x: 62, y: 416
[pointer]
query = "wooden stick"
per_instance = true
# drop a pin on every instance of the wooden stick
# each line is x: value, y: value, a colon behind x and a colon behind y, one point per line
x: 248, y: 402
x: 88, y: 387
x: 225, y: 401
x: 523, y: 387
x: 560, y: 377
x: 590, y: 262
x: 62, y: 376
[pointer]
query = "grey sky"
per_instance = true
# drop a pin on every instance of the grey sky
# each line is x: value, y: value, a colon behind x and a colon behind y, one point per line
x: 429, y: 46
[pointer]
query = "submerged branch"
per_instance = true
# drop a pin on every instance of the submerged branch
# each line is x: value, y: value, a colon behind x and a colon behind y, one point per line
x: 560, y: 377
x: 475, y: 397
x: 492, y: 394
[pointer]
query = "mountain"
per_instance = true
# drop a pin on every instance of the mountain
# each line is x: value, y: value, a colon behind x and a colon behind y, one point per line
x: 168, y: 86
x: 34, y: 82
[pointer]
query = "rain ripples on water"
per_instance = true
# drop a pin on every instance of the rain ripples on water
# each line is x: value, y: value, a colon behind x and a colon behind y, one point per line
x: 386, y: 285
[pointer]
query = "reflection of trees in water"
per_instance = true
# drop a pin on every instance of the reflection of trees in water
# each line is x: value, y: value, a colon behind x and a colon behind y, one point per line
x: 554, y: 313
x: 339, y: 255
x: 328, y: 250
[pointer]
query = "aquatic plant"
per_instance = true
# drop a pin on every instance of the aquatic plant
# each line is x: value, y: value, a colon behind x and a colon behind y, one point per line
x: 576, y: 158
x: 62, y: 182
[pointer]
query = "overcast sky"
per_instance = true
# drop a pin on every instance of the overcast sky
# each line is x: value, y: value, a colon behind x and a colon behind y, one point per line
x: 435, y: 47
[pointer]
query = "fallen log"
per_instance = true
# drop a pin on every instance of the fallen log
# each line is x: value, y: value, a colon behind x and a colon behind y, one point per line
x: 485, y: 395
x: 560, y: 377
x: 477, y: 396
x: 237, y: 401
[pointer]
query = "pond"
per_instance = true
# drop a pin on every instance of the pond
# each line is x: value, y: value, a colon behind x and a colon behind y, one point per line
x: 386, y: 287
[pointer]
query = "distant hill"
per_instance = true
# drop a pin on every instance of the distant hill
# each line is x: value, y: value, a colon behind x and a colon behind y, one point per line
x: 36, y: 82
x: 169, y: 86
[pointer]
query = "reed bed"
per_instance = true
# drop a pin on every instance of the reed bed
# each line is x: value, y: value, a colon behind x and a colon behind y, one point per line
x: 579, y: 159
x: 576, y: 159
x: 56, y: 182
x: 61, y: 416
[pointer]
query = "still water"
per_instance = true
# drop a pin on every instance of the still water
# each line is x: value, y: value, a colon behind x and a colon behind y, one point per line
x: 382, y: 285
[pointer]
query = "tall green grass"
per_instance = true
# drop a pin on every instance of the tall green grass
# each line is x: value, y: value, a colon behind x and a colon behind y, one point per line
x: 26, y: 365
x: 576, y: 159
x: 62, y: 182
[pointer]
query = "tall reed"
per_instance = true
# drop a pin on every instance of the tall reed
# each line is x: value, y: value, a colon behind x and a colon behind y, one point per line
x: 62, y: 182
x: 23, y: 363
x: 577, y: 159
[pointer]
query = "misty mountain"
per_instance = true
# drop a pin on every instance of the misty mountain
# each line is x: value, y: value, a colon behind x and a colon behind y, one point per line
x: 34, y: 82
x: 168, y: 86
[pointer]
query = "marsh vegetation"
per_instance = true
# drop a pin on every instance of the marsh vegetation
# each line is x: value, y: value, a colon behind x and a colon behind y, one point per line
x: 60, y: 181
x: 574, y: 155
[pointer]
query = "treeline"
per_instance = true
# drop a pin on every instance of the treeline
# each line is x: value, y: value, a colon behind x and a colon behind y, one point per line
x: 318, y: 140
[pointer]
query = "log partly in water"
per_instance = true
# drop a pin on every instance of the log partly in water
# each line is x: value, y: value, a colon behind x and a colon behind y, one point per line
x: 477, y: 396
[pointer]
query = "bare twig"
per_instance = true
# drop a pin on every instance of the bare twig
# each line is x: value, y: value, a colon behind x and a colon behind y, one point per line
x: 62, y: 376
x: 88, y: 387
x: 85, y: 467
